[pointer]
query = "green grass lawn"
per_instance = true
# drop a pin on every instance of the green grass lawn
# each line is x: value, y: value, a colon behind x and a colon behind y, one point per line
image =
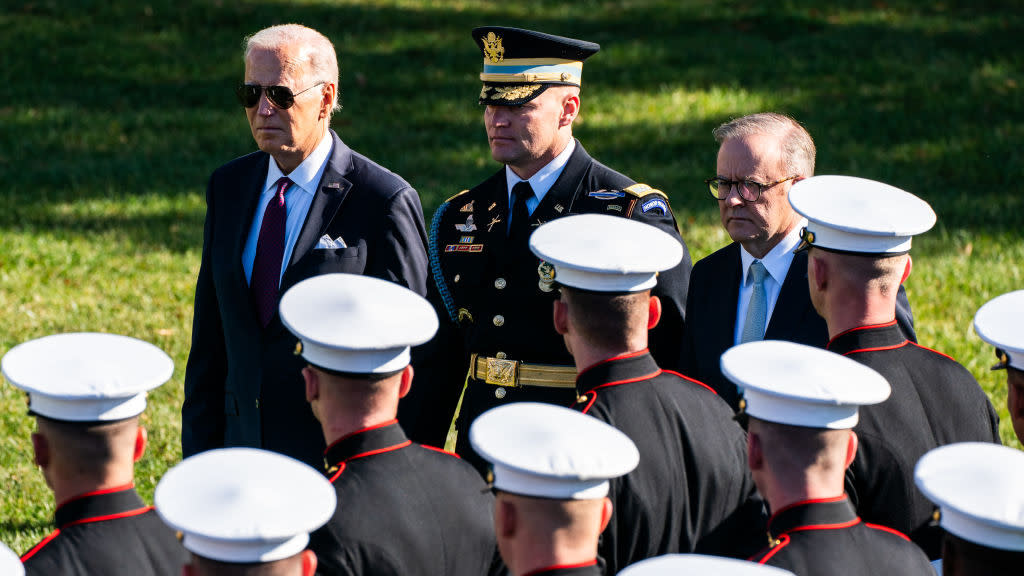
x: 113, y: 114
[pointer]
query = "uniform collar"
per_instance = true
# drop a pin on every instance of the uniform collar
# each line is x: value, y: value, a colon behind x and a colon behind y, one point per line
x: 820, y: 514
x: 545, y: 178
x: 99, y: 505
x: 623, y: 369
x: 866, y: 338
x: 366, y: 442
x: 591, y: 568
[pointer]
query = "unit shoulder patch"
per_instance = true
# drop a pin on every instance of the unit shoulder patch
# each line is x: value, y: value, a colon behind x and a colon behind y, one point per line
x: 640, y: 190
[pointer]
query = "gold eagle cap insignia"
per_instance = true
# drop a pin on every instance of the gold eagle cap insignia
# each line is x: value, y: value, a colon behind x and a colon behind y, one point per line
x: 493, y: 49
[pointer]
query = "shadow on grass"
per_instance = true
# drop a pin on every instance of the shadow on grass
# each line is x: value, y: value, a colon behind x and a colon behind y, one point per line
x: 138, y: 97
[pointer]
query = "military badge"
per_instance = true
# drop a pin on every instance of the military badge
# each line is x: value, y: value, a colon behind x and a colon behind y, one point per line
x: 467, y: 207
x: 515, y: 92
x: 654, y: 204
x: 466, y: 240
x: 469, y: 226
x: 547, y: 276
x: 493, y: 222
x: 493, y: 50
x: 559, y: 208
x: 606, y: 194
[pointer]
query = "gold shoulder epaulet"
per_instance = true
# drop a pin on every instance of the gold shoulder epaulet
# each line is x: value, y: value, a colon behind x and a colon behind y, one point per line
x: 456, y: 196
x: 640, y: 190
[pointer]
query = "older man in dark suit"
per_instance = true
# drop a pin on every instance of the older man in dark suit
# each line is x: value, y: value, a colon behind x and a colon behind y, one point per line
x: 304, y: 205
x: 756, y: 288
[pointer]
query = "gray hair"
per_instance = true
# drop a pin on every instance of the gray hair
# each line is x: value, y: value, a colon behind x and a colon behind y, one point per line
x: 797, y: 145
x: 317, y: 60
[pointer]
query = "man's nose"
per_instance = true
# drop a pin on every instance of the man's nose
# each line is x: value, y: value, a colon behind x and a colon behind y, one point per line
x: 733, y: 198
x: 264, y: 107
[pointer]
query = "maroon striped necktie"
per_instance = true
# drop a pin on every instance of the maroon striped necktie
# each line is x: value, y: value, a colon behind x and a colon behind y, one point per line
x: 266, y: 266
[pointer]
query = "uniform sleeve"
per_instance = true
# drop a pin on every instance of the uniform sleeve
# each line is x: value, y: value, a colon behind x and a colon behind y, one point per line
x: 202, y: 413
x: 673, y: 284
x: 402, y: 255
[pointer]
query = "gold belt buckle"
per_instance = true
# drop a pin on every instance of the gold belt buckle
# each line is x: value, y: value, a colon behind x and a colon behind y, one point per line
x: 501, y: 372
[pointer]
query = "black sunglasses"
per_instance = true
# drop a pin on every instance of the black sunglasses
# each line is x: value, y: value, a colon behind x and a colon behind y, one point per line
x: 280, y: 96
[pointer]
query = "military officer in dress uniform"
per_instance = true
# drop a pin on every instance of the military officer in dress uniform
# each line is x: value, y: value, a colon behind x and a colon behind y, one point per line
x: 550, y: 468
x: 86, y: 391
x: 245, y: 511
x: 977, y: 487
x: 858, y: 235
x: 495, y: 318
x: 802, y: 403
x: 700, y: 565
x: 403, y: 508
x: 1000, y: 322
x: 692, y: 491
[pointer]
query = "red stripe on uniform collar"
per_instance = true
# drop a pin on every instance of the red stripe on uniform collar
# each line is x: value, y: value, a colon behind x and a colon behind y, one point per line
x: 561, y: 567
x: 122, y: 488
x: 39, y: 546
x: 806, y: 502
x: 360, y: 431
x: 125, y: 514
x: 625, y: 356
x: 868, y: 327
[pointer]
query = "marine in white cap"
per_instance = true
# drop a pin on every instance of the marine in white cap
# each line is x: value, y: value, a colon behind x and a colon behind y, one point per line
x: 551, y: 470
x: 700, y: 565
x: 1000, y: 322
x: 692, y: 490
x: 403, y: 508
x: 86, y: 391
x: 245, y: 512
x: 802, y: 403
x: 858, y: 235
x: 977, y: 488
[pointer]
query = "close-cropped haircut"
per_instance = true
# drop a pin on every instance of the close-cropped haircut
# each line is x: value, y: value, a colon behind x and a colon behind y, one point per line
x: 798, y: 150
x: 604, y: 319
x: 318, y: 57
x: 90, y: 446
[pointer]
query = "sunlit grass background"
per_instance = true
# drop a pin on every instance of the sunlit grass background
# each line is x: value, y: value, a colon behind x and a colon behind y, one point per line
x: 113, y: 114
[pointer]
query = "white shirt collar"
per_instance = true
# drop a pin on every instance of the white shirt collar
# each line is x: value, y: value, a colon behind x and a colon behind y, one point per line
x: 306, y: 176
x: 545, y: 178
x: 777, y: 260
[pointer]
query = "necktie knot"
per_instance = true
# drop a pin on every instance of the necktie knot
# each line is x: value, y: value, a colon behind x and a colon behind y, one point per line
x: 282, y: 185
x: 758, y: 272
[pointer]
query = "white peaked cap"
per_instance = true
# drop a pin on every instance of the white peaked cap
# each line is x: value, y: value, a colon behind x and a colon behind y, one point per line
x: 357, y: 324
x: 604, y: 253
x: 547, y: 451
x: 860, y: 216
x: 87, y: 376
x: 801, y: 385
x: 978, y: 488
x: 244, y: 505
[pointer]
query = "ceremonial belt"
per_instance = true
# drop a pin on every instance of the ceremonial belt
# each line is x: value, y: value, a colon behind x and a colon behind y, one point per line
x: 513, y: 373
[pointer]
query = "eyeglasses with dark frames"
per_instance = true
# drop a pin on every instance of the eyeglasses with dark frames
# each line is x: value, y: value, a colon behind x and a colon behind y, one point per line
x: 748, y: 190
x: 280, y: 96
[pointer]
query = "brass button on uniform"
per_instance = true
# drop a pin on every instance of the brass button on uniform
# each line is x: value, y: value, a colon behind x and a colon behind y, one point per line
x: 499, y: 320
x: 499, y: 392
x: 500, y: 283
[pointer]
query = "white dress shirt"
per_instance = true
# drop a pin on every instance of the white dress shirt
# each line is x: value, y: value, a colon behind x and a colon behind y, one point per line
x: 297, y: 200
x: 542, y: 181
x: 776, y: 262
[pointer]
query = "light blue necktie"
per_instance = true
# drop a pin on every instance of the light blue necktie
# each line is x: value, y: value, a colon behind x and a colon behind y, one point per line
x: 757, y: 310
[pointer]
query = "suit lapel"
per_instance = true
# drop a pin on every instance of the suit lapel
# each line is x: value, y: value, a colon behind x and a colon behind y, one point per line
x: 725, y: 306
x: 794, y: 299
x: 326, y: 201
x: 250, y: 187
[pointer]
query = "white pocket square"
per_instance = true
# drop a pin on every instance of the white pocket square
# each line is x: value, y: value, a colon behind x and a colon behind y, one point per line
x: 326, y: 243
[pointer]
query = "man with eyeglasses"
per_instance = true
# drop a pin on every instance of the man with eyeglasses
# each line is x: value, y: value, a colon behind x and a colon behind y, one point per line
x: 756, y: 288
x: 305, y: 204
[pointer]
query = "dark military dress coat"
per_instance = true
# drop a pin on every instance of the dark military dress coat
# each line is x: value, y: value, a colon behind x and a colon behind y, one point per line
x: 825, y: 537
x: 934, y: 402
x: 404, y: 509
x: 109, y: 532
x: 692, y: 491
x: 490, y: 302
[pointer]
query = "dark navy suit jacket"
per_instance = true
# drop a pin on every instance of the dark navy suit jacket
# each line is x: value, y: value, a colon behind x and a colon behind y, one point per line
x: 243, y: 384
